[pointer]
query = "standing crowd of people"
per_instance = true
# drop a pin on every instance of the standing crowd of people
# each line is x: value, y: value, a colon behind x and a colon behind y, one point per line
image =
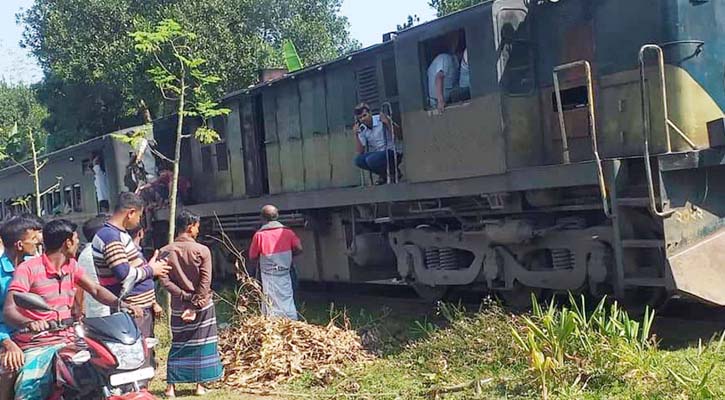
x: 111, y: 273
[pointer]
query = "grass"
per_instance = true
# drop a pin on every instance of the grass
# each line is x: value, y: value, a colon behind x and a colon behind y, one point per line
x: 424, y: 353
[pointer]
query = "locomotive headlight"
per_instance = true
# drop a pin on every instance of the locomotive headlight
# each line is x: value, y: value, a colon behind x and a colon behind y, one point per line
x: 128, y: 356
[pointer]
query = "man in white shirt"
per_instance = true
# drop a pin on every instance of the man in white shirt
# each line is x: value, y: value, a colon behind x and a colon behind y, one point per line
x: 374, y: 143
x: 442, y: 79
x: 100, y: 180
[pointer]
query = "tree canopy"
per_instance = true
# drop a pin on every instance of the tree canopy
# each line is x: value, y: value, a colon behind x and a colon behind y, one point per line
x: 445, y: 7
x: 20, y: 112
x: 88, y: 56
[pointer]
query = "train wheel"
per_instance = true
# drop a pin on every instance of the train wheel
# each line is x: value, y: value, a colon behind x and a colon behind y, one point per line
x: 430, y: 293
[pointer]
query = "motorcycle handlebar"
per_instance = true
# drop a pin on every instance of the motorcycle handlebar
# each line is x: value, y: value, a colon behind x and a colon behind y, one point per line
x: 53, y: 326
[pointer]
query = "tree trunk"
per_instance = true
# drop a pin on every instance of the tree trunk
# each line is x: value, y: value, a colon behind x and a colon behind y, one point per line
x: 177, y: 162
x: 36, y: 175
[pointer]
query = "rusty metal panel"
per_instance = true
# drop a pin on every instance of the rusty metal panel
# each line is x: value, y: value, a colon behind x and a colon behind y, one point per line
x: 234, y: 145
x: 466, y: 140
x: 340, y: 92
x: 271, y: 141
x: 253, y: 148
x: 315, y: 137
x: 290, y: 137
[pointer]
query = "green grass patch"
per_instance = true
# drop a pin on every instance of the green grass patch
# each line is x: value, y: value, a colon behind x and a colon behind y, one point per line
x: 593, y: 352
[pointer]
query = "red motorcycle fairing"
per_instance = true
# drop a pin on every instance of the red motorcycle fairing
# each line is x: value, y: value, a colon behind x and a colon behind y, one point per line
x: 103, y: 358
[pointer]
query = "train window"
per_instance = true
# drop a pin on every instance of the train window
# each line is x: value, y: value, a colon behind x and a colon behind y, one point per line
x: 222, y: 158
x: 86, y: 167
x: 445, y: 64
x: 571, y: 99
x: 367, y: 87
x: 206, y: 159
x: 56, y: 199
x: 47, y: 201
x: 68, y: 197
x: 77, y: 198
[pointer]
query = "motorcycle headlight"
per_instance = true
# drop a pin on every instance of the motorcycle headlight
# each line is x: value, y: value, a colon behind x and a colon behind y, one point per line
x: 128, y: 356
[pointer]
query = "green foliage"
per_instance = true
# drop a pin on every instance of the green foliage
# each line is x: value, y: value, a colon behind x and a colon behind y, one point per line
x: 412, y: 20
x: 445, y: 7
x: 20, y: 113
x: 565, y: 343
x: 85, y: 45
x: 178, y: 72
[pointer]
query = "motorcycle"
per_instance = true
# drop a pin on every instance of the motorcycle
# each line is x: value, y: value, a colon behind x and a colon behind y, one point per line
x: 109, y: 358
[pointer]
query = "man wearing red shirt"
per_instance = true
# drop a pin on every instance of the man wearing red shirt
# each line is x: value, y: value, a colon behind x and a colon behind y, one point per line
x: 274, y: 245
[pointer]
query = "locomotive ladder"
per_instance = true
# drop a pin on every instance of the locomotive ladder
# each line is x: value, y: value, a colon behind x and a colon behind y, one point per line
x: 646, y: 114
x: 592, y: 125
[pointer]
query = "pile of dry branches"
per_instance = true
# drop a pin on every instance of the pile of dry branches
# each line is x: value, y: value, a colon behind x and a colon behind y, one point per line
x: 259, y: 353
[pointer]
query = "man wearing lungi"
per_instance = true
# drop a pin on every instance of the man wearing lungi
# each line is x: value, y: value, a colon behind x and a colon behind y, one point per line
x: 274, y: 245
x: 194, y: 355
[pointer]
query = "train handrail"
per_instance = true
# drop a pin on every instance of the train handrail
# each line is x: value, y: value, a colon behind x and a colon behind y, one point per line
x: 592, y: 125
x: 387, y: 106
x: 646, y: 120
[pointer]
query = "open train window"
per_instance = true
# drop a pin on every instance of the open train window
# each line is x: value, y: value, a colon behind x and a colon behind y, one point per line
x: 77, y: 198
x: 571, y: 99
x: 56, y: 199
x: 68, y: 197
x: 47, y: 201
x: 86, y: 167
x: 445, y: 69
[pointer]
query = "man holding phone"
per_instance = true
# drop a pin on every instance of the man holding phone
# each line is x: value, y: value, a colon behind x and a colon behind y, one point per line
x: 374, y: 143
x: 120, y: 264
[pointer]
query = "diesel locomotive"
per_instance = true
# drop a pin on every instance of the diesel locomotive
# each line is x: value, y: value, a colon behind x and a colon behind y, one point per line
x: 589, y: 156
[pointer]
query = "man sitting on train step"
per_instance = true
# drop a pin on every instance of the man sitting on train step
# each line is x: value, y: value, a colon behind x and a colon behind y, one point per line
x: 375, y: 144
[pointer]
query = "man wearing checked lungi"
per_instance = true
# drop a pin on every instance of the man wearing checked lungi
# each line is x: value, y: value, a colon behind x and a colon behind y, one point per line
x: 274, y: 245
x: 194, y: 354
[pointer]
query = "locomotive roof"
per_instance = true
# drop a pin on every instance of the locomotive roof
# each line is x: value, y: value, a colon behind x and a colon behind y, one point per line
x: 350, y: 56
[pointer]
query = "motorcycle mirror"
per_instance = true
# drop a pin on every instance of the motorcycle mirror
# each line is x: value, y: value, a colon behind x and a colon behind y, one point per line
x: 31, y: 301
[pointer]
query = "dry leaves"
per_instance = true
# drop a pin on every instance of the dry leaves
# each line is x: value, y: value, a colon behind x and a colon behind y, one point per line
x: 260, y: 353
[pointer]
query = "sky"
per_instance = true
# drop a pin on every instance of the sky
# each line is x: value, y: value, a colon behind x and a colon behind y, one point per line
x: 369, y: 19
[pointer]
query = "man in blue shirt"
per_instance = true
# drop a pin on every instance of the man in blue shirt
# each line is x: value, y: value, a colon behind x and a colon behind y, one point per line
x: 19, y: 241
x: 374, y: 142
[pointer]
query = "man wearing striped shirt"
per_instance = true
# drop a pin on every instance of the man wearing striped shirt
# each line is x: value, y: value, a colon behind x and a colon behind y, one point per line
x: 121, y: 266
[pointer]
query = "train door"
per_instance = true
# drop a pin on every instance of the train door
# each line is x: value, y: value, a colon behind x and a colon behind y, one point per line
x: 253, y: 146
x: 515, y: 68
